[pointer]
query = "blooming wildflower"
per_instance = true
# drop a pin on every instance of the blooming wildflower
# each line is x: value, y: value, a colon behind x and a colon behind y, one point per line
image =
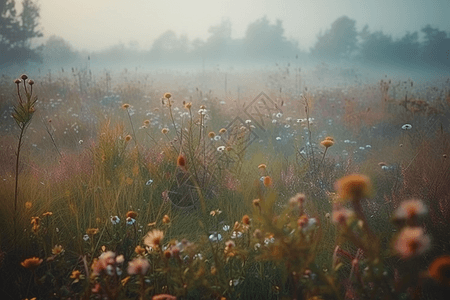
x: 226, y: 227
x: 262, y: 167
x: 329, y: 138
x: 341, y: 215
x: 188, y: 105
x: 166, y: 219
x: 297, y: 200
x: 411, y: 241
x: 130, y: 221
x: 164, y: 130
x: 86, y: 237
x: 35, y: 221
x: 215, y: 237
x: 406, y: 126
x: 58, y: 249
x: 353, y: 187
x: 92, y: 231
x: 125, y: 105
x: 410, y: 209
x: 202, y: 111
x: 31, y: 263
x: 139, y: 250
x: 327, y: 143
x: 147, y: 122
x: 302, y: 221
x: 215, y: 212
x: 222, y: 130
x: 77, y: 276
x: 28, y: 205
x: 439, y: 270
x: 246, y: 220
x: 221, y: 148
x: 138, y: 266
x: 131, y: 214
x: 115, y: 220
x: 229, y: 247
x: 267, y: 181
x: 128, y: 138
x: 257, y: 202
x: 167, y: 95
x: 211, y: 134
x: 120, y: 259
x: 181, y: 161
x: 47, y: 214
x: 153, y: 238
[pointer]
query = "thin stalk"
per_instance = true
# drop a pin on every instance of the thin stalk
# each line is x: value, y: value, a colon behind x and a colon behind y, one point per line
x: 16, y: 188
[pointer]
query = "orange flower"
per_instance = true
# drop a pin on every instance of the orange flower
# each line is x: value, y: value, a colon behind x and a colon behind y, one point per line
x: 139, y: 250
x: 439, y: 270
x: 47, y: 214
x: 166, y: 219
x: 329, y: 138
x: 125, y: 105
x: 164, y: 297
x: 246, y: 220
x: 354, y: 187
x: 211, y: 135
x: 262, y: 167
x: 167, y: 95
x: 131, y: 214
x: 181, y: 161
x: 267, y: 181
x: 128, y: 138
x: 28, y: 205
x: 92, y: 231
x: 31, y: 263
x: 327, y: 143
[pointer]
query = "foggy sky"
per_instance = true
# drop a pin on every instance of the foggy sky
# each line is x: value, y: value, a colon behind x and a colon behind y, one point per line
x: 99, y: 24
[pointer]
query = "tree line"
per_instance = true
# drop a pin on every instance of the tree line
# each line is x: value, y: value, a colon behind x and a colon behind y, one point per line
x: 263, y: 41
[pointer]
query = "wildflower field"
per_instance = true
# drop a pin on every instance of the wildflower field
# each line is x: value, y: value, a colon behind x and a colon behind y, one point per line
x: 209, y: 185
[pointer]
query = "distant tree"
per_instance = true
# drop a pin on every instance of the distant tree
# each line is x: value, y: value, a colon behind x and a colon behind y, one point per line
x: 436, y: 47
x: 265, y: 40
x: 169, y: 47
x: 58, y: 52
x: 338, y: 42
x: 375, y: 47
x: 217, y: 44
x: 407, y: 49
x: 17, y: 31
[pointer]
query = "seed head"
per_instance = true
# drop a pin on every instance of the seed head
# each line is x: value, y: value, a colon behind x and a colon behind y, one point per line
x: 167, y: 95
x: 24, y: 77
x: 354, y: 187
x: 17, y: 81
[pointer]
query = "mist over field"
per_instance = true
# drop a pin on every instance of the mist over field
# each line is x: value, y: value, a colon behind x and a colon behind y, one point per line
x: 224, y: 149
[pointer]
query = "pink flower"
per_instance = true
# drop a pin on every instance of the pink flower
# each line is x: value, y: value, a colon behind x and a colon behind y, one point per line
x: 411, y: 241
x: 138, y: 266
x: 164, y: 297
x: 410, y: 209
x: 341, y: 215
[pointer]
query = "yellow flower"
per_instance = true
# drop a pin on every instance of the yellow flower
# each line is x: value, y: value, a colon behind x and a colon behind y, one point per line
x: 125, y: 105
x: 165, y: 130
x: 128, y: 138
x: 47, y: 214
x: 166, y: 219
x: 58, y: 249
x: 262, y: 167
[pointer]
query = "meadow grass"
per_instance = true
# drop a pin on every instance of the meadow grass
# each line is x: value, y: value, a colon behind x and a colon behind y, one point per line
x: 139, y: 186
